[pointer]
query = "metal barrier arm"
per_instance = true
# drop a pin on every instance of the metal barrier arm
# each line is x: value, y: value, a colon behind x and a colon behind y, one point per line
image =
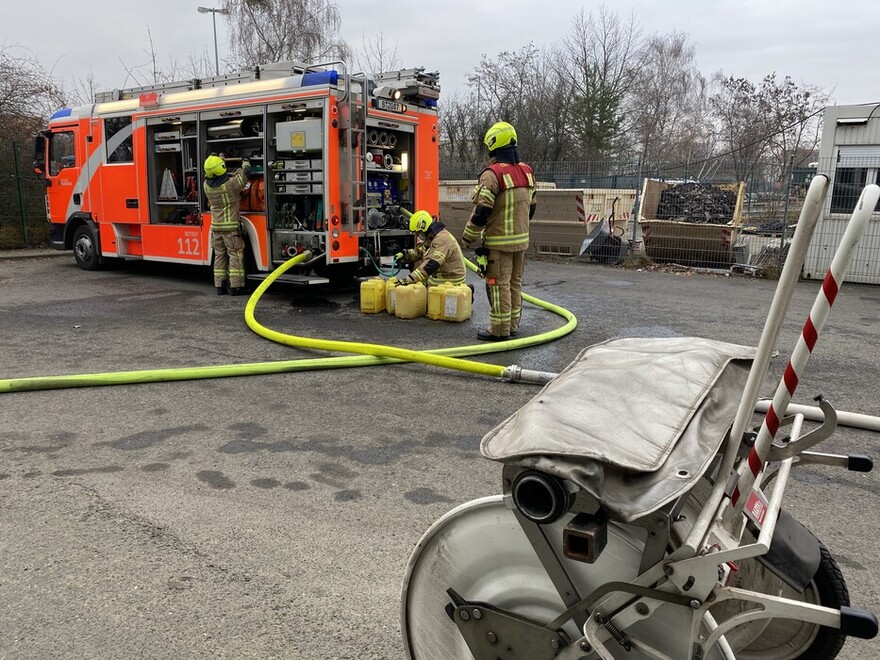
x: 749, y: 470
x: 809, y: 217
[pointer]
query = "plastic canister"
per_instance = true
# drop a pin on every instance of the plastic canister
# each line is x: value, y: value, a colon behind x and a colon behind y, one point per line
x: 390, y: 295
x: 436, y: 296
x: 373, y: 296
x: 456, y: 303
x: 411, y: 301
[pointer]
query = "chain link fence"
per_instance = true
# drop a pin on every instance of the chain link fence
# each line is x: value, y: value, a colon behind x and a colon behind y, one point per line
x: 23, y: 202
x: 697, y: 215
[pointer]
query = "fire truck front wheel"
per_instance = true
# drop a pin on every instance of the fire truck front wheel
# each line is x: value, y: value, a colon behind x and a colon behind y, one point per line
x: 85, y: 248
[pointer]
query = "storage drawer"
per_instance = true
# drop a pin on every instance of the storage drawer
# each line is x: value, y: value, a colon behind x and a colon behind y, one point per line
x: 304, y: 177
x: 301, y: 188
x: 304, y: 164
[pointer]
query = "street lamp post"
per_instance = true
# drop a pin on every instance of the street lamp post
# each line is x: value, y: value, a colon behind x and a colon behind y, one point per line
x: 214, y: 11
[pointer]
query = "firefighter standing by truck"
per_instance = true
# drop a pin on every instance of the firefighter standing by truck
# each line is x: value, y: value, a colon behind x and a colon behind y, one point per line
x: 224, y: 195
x: 504, y: 203
x: 437, y: 259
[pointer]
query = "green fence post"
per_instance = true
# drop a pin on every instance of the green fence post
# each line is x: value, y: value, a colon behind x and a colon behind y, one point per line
x: 17, y: 157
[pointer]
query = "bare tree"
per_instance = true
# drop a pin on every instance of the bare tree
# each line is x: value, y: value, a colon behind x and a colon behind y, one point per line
x: 82, y: 90
x: 773, y: 119
x: 744, y: 129
x: 26, y: 89
x: 524, y: 87
x: 28, y: 95
x: 795, y: 112
x: 698, y: 141
x: 661, y: 103
x: 377, y: 54
x: 152, y: 71
x: 600, y: 56
x: 263, y: 31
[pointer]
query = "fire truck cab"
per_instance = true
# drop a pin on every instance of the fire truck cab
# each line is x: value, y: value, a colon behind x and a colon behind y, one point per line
x: 336, y: 158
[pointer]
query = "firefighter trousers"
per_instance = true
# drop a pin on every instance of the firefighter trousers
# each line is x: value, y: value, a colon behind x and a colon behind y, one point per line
x: 228, y: 258
x: 504, y: 289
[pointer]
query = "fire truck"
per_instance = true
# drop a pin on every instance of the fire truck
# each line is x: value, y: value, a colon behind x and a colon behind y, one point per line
x: 337, y: 158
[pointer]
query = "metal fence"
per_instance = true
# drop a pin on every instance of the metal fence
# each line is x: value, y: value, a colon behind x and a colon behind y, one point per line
x: 23, y: 200
x: 701, y: 215
x: 595, y: 202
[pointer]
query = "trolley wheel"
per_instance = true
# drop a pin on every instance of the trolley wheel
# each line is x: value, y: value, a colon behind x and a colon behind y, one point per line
x: 787, y: 639
x: 85, y: 248
x: 780, y: 639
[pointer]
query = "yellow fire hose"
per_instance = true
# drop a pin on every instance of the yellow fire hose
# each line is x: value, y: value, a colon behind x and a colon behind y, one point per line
x: 369, y: 354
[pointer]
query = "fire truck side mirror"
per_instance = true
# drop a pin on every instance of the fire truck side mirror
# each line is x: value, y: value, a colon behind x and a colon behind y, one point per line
x: 40, y: 155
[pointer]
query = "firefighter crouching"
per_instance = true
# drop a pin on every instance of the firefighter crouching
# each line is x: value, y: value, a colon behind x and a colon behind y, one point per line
x: 437, y: 259
x: 224, y: 196
x: 504, y: 203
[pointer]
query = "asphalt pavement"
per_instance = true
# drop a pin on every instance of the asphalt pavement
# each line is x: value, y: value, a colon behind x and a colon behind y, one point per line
x: 273, y: 516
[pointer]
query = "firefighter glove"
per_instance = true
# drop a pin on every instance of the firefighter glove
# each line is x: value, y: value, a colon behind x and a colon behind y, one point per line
x: 482, y: 259
x: 398, y: 258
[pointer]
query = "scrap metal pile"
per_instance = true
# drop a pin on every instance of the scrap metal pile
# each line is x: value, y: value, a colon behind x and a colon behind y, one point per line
x: 697, y: 202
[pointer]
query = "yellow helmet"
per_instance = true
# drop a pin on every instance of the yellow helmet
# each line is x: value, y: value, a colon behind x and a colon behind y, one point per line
x: 501, y: 134
x: 214, y: 167
x: 420, y: 221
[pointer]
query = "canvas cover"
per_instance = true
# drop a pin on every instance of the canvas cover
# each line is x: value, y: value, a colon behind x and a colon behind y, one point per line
x: 635, y: 422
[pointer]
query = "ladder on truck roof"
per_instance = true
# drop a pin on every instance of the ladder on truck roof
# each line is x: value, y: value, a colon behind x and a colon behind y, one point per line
x: 260, y: 72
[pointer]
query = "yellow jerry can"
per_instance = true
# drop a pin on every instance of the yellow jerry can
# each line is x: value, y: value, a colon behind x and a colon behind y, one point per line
x: 435, y: 300
x: 373, y: 296
x: 390, y: 296
x: 410, y: 301
x: 454, y: 303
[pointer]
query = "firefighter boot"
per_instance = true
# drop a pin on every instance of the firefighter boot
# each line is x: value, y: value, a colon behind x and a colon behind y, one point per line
x: 238, y: 291
x: 223, y: 288
x: 485, y: 335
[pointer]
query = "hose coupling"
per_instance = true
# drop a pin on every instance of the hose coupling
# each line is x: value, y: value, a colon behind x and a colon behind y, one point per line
x: 516, y: 374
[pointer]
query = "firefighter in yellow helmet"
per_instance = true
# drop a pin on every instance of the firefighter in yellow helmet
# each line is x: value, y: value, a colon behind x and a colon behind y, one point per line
x: 224, y: 196
x: 437, y: 259
x: 504, y: 203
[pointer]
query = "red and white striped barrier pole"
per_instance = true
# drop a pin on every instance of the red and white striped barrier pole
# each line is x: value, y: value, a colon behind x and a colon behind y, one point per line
x: 749, y: 470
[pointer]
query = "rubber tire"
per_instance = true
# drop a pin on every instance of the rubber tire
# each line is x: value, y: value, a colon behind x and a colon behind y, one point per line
x: 831, y: 590
x: 86, y: 251
x: 832, y: 593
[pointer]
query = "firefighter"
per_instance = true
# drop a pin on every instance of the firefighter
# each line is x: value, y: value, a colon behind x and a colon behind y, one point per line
x: 437, y: 259
x: 504, y: 203
x: 224, y: 196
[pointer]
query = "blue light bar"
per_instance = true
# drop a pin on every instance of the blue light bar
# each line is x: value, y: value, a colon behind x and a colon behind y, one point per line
x: 320, y: 78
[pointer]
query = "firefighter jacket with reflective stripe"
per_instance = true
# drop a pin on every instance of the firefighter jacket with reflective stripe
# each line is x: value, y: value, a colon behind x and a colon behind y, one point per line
x: 225, y: 200
x: 509, y: 190
x: 442, y: 249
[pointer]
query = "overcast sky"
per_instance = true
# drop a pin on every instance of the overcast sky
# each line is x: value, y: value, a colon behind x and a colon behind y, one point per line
x: 831, y: 45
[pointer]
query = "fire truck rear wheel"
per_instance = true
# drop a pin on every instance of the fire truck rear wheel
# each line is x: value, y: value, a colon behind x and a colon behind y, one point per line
x: 85, y: 248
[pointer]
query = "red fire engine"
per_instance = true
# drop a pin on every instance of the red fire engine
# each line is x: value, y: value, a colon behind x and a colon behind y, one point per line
x: 335, y: 158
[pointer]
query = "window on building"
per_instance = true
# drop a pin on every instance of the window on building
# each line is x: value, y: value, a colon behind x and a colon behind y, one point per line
x: 122, y: 151
x: 848, y: 184
x: 61, y: 153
